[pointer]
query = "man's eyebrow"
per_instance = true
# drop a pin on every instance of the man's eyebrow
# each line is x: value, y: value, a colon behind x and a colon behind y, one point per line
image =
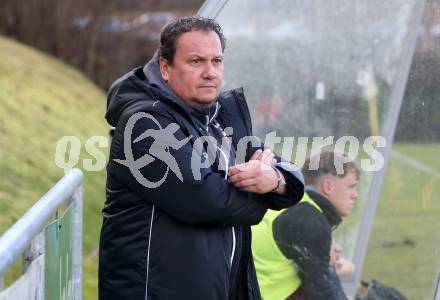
x: 195, y: 55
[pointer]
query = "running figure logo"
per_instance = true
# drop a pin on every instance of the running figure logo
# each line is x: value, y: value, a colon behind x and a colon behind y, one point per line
x: 164, y: 139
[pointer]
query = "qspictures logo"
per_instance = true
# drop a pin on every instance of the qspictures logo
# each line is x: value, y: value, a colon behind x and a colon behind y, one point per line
x: 205, y: 150
x: 163, y: 140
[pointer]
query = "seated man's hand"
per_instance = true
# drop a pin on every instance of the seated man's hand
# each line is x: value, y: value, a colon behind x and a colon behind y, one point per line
x: 335, y: 253
x: 344, y: 267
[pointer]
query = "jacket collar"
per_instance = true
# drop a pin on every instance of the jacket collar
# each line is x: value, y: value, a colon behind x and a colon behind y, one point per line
x: 329, y: 211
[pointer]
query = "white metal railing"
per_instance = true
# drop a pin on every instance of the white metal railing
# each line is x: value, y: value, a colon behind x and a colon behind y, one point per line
x: 27, y: 237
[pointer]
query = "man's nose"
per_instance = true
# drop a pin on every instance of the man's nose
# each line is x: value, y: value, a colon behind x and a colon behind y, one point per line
x: 338, y: 248
x: 355, y: 195
x: 209, y: 71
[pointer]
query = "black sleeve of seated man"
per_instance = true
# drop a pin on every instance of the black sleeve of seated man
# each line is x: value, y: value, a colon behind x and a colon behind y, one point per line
x: 303, y: 234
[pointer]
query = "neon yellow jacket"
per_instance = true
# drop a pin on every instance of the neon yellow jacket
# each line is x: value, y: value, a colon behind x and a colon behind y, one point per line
x: 277, y: 275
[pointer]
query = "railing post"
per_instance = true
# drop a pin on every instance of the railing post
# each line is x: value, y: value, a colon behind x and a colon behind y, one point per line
x: 77, y: 241
x: 35, y: 249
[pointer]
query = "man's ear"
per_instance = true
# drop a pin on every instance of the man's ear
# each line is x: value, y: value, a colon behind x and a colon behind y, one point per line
x: 164, y: 68
x: 326, y: 186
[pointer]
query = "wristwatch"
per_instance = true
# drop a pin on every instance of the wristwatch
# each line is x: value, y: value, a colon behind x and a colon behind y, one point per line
x: 280, y: 179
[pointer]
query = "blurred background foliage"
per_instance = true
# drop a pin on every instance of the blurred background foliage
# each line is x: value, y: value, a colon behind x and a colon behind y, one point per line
x: 101, y: 38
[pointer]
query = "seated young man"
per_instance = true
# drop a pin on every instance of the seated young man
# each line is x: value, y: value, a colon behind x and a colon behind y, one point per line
x: 291, y: 247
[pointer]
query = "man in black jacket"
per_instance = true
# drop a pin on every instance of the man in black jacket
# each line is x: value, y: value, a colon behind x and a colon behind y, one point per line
x: 176, y: 222
x: 291, y: 247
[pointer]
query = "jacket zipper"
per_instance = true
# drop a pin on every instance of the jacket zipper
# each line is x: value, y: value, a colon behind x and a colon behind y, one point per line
x: 226, y: 177
x: 232, y: 228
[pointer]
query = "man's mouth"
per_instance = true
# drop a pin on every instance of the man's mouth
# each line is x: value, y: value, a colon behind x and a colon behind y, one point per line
x: 208, y: 85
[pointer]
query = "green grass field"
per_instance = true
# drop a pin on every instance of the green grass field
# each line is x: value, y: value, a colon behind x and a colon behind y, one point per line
x: 404, y: 249
x: 42, y: 100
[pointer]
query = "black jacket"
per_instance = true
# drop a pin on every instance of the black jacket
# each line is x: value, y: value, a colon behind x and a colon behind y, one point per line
x: 184, y: 239
x: 304, y: 235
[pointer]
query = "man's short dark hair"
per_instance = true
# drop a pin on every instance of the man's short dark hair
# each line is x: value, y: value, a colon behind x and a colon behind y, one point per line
x: 325, y: 163
x: 171, y: 33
